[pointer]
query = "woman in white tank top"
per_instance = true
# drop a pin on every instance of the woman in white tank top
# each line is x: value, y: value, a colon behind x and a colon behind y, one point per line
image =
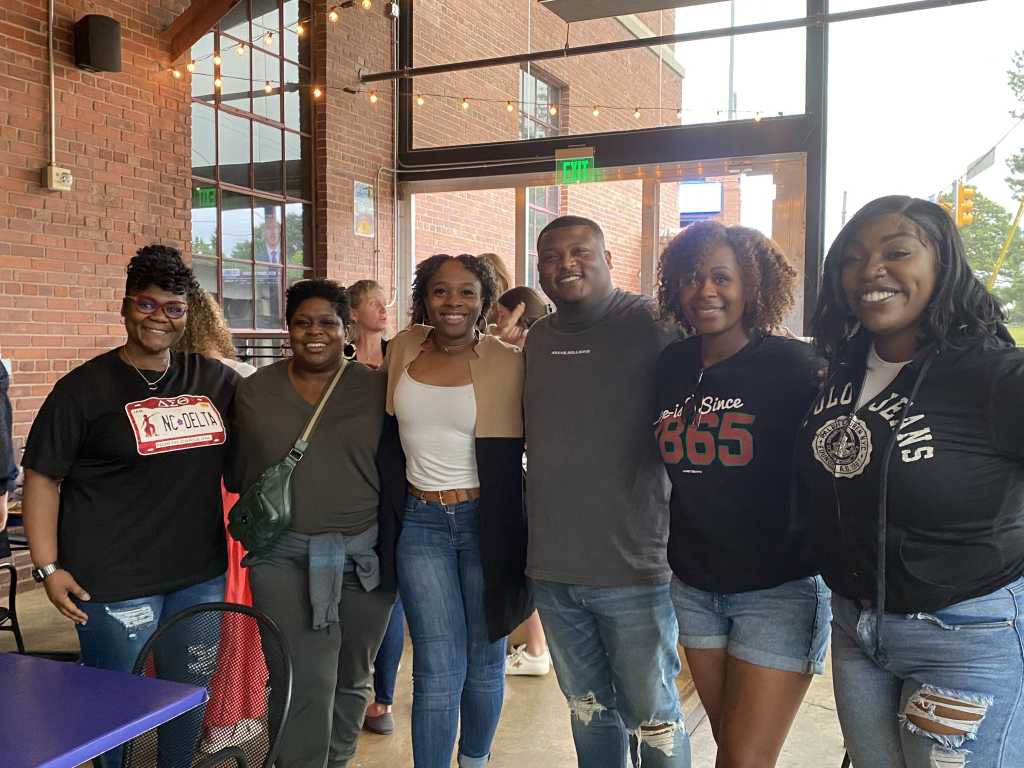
x: 455, y: 400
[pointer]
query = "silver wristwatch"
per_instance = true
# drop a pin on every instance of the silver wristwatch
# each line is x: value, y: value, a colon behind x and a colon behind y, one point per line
x: 39, y: 574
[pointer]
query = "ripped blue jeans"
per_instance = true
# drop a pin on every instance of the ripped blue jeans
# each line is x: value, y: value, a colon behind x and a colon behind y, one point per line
x: 116, y: 632
x: 614, y: 651
x: 946, y: 689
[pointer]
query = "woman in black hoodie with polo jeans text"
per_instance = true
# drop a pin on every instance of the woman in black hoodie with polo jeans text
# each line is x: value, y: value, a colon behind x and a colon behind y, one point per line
x: 911, y: 479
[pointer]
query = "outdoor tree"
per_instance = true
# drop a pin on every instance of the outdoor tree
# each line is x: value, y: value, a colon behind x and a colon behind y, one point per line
x: 1016, y: 161
x: 983, y: 240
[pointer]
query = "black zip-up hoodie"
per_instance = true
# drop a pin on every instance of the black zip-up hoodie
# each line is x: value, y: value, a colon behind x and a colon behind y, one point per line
x: 930, y: 471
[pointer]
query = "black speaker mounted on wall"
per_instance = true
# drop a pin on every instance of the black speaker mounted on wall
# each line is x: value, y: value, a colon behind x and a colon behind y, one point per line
x: 98, y: 44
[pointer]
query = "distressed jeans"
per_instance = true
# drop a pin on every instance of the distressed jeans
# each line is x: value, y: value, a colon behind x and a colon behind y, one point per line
x: 959, y: 670
x: 116, y: 632
x: 614, y: 651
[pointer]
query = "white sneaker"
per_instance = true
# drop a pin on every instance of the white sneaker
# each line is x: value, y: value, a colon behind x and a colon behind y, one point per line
x: 519, y: 662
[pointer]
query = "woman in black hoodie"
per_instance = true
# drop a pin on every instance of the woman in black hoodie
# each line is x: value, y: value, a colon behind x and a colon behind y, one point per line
x: 911, y: 481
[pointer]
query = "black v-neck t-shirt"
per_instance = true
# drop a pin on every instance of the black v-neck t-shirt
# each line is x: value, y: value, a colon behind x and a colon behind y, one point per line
x: 726, y: 434
x: 141, y: 511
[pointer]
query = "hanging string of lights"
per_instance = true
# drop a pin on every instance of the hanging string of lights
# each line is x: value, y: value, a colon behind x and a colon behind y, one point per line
x: 420, y: 99
x: 267, y: 36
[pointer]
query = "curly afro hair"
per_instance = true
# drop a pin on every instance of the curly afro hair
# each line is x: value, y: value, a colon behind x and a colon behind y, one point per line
x: 328, y: 290
x: 427, y: 268
x: 206, y: 331
x: 768, y: 278
x: 160, y: 265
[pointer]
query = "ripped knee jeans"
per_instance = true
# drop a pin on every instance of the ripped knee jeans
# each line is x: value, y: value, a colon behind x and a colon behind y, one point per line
x: 945, y: 690
x: 114, y: 635
x: 614, y: 652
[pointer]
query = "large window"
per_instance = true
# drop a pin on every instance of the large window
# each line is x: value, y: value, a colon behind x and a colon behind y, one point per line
x: 252, y: 203
x: 540, y: 103
x: 542, y: 207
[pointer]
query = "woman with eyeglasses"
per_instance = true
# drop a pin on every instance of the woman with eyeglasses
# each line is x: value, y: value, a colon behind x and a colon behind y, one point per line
x: 753, y: 613
x: 122, y: 497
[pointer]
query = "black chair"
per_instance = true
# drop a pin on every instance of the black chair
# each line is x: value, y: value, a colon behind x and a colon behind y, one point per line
x: 241, y: 657
x: 9, y: 614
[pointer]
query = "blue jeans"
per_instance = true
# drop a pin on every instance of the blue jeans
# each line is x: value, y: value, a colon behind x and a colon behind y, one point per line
x: 116, y: 632
x: 614, y: 651
x: 385, y: 666
x: 455, y: 667
x: 962, y: 667
x: 784, y: 627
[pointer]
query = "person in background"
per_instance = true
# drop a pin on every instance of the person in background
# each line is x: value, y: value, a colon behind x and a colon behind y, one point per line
x: 122, y: 501
x: 753, y: 615
x: 369, y: 323
x: 502, y: 281
x: 455, y: 403
x: 236, y: 703
x: 368, y: 346
x: 8, y: 464
x: 911, y: 468
x: 206, y: 333
x: 518, y: 309
x: 268, y: 247
x: 329, y: 581
x: 597, y: 498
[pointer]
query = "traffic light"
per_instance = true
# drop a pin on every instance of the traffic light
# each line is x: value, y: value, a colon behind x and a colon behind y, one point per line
x: 946, y: 204
x: 964, y: 204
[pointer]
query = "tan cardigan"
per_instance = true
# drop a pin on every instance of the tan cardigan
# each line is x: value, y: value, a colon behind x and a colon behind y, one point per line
x: 497, y: 374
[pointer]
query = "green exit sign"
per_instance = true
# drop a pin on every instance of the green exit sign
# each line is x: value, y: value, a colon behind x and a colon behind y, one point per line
x: 204, y: 197
x: 576, y: 170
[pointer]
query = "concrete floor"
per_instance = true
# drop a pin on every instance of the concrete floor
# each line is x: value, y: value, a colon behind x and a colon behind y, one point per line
x: 534, y: 730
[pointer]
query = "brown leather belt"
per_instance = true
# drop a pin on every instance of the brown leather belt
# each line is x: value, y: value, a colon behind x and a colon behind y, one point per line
x: 446, y: 498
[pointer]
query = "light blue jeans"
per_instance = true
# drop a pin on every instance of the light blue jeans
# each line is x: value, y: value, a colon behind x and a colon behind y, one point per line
x: 962, y: 667
x: 116, y: 632
x: 457, y: 672
x: 614, y: 651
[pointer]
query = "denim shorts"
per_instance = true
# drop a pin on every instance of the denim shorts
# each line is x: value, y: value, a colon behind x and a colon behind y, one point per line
x: 786, y: 627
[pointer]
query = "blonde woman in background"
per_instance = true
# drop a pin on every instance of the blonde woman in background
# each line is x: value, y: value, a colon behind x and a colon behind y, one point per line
x: 502, y: 281
x: 369, y: 309
x: 206, y: 333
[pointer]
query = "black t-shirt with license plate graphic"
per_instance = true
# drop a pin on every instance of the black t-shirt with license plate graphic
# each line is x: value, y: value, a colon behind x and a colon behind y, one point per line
x: 141, y: 510
x: 726, y: 435
x: 955, y: 486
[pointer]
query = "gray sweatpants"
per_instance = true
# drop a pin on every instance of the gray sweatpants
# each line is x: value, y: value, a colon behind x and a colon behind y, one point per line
x: 333, y: 667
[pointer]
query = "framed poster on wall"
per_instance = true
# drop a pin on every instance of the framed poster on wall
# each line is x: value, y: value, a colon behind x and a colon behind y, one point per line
x: 362, y: 209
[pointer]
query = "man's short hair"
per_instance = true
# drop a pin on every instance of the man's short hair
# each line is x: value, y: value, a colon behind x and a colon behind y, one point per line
x: 572, y: 221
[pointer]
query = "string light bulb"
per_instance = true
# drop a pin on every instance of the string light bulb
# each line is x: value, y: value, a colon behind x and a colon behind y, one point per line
x: 465, y: 103
x: 240, y: 49
x: 317, y: 93
x: 373, y: 97
x: 299, y: 29
x: 216, y: 59
x: 191, y: 66
x: 509, y: 107
x: 176, y: 73
x: 757, y: 117
x: 268, y: 88
x: 636, y: 113
x: 268, y: 38
x: 553, y: 110
x: 419, y: 99
x: 217, y: 83
x: 367, y: 4
x: 595, y: 111
x: 333, y: 15
x: 679, y: 114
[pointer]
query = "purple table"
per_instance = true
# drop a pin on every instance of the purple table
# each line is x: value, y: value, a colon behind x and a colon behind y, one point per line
x: 55, y: 714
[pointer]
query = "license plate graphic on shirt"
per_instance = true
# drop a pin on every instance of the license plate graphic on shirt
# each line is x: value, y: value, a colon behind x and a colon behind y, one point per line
x: 164, y: 424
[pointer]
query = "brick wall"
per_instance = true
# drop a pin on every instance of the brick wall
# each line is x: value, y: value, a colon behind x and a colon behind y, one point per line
x: 125, y: 137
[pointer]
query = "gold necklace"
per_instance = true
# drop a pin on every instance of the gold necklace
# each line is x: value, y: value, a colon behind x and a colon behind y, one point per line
x: 458, y: 347
x: 151, y: 385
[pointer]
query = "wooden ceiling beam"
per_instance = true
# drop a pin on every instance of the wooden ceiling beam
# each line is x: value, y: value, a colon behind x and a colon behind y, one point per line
x: 194, y: 22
